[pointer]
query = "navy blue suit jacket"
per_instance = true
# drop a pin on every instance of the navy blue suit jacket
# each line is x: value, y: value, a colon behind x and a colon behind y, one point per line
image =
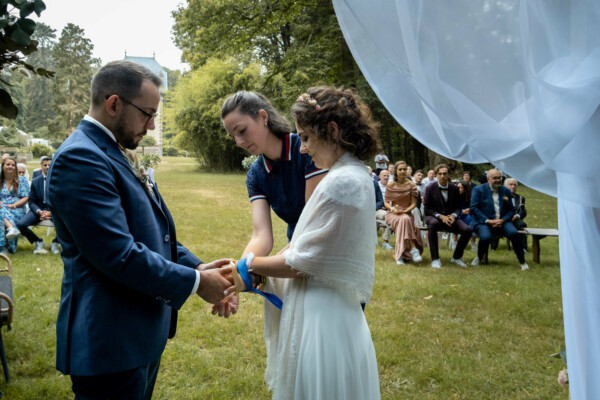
x: 36, y: 195
x: 482, y: 205
x: 125, y: 274
x: 36, y: 172
x: 378, y: 196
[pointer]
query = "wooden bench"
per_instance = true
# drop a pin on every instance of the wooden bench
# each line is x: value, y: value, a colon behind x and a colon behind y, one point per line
x: 537, y: 234
x: 6, y: 307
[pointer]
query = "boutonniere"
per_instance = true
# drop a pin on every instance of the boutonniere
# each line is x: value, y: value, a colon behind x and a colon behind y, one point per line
x: 505, y: 198
x: 136, y: 168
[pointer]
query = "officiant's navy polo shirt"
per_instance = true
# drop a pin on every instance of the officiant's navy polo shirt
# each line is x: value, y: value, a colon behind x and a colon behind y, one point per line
x: 282, y: 183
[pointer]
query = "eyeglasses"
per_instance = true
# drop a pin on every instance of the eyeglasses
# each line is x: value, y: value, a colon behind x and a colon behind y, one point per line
x: 147, y: 114
x: 150, y: 116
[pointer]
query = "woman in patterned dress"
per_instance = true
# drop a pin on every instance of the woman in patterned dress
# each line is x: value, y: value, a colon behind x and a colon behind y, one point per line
x: 14, y: 193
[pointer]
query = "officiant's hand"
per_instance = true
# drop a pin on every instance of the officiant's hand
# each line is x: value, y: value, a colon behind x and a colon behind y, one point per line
x: 213, y: 281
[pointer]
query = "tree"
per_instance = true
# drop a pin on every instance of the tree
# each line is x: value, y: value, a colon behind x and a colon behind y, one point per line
x: 74, y: 68
x: 38, y: 104
x: 195, y: 106
x: 10, y: 134
x: 298, y: 44
x: 16, y: 43
x: 173, y: 76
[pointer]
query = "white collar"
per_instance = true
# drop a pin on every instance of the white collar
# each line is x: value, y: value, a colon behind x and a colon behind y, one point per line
x: 86, y: 117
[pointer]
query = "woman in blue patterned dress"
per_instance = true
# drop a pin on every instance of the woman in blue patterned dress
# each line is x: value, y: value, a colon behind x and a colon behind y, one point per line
x: 14, y: 193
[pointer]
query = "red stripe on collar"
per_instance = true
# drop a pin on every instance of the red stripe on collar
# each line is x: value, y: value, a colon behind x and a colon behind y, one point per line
x: 288, y: 147
x: 268, y: 166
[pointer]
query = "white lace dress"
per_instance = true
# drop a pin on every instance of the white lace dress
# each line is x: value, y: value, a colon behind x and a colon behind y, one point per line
x: 319, y: 345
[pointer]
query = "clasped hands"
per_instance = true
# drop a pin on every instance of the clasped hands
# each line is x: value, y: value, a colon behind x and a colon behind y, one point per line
x: 44, y: 215
x: 219, y: 285
x: 447, y: 219
x: 495, y: 223
x: 396, y: 210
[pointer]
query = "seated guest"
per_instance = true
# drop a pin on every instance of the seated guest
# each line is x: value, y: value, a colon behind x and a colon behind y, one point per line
x: 483, y: 178
x: 419, y: 175
x: 22, y: 170
x: 38, y: 211
x: 372, y: 174
x: 23, y: 161
x: 38, y: 171
x: 391, y: 170
x: 420, y: 210
x: 381, y: 211
x: 14, y: 192
x: 465, y: 213
x: 400, y: 199
x: 430, y: 178
x: 467, y: 177
x: 442, y: 208
x: 520, y: 211
x: 491, y: 212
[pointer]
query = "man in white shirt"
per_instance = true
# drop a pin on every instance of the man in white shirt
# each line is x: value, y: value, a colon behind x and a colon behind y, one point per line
x: 391, y: 170
x: 381, y: 161
x: 430, y: 178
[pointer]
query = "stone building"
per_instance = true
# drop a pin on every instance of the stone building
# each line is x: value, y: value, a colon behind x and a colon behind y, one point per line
x: 157, y: 133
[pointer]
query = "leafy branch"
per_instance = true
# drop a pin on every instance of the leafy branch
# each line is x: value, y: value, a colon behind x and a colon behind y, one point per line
x: 16, y: 43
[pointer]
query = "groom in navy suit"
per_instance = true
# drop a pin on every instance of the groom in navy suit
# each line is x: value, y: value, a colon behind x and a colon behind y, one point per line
x: 125, y: 273
x: 492, y: 212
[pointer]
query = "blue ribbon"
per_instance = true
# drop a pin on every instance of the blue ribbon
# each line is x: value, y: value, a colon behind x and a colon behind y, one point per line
x: 245, y: 275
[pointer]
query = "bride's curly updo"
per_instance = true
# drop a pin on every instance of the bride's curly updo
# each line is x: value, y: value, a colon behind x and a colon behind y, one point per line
x: 322, y: 104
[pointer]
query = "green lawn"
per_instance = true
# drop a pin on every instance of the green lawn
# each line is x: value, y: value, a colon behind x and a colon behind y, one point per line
x: 477, y: 333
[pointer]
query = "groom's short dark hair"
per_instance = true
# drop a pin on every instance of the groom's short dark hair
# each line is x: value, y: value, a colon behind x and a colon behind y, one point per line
x: 123, y: 78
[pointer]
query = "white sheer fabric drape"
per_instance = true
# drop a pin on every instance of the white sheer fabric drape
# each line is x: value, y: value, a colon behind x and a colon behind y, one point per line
x: 514, y: 83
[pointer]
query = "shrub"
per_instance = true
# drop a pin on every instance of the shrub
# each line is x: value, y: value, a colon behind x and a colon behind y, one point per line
x: 39, y: 150
x: 248, y: 161
x: 149, y: 160
x: 172, y: 151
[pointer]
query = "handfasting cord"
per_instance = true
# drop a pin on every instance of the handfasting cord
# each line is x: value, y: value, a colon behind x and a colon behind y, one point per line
x: 242, y: 268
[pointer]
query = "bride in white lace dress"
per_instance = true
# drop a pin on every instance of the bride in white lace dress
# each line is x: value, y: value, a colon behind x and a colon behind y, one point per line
x: 319, y: 345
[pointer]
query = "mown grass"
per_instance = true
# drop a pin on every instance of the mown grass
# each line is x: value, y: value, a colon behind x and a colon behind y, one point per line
x: 476, y: 333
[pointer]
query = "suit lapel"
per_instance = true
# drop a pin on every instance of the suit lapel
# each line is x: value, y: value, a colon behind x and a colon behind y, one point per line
x: 104, y: 142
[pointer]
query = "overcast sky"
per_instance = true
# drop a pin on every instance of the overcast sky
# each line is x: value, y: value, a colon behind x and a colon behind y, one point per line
x: 140, y: 27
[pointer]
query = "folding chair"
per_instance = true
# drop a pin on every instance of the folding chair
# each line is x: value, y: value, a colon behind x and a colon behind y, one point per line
x: 6, y: 307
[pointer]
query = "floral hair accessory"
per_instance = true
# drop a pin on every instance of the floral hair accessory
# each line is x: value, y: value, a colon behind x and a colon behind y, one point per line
x: 305, y: 98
